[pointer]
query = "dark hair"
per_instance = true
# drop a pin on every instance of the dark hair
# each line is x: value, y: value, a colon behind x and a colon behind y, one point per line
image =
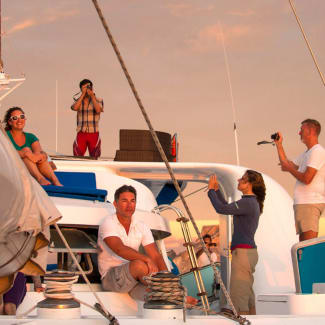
x: 8, y: 115
x: 124, y: 188
x: 313, y: 124
x: 84, y: 82
x: 258, y: 186
x: 207, y: 236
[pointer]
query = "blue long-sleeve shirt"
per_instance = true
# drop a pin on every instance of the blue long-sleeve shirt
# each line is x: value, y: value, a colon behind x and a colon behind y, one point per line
x: 246, y: 213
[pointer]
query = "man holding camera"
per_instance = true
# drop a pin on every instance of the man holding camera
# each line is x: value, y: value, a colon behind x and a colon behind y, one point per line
x: 309, y: 171
x: 88, y: 108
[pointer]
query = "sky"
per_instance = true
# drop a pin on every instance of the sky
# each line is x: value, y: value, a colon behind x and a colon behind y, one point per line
x: 173, y: 50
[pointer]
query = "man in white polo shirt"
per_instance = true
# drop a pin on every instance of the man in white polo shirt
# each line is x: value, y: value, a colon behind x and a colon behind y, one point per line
x: 309, y: 171
x: 120, y: 264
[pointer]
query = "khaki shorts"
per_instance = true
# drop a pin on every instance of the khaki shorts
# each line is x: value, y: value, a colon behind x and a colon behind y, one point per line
x: 119, y: 279
x: 307, y: 216
x: 243, y: 265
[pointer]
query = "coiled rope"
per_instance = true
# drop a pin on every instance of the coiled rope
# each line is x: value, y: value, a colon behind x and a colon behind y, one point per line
x: 166, y: 287
x: 59, y: 284
x: 54, y: 288
x: 163, y: 156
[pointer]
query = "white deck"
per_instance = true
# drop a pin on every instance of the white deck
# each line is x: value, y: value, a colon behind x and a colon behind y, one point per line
x: 191, y: 320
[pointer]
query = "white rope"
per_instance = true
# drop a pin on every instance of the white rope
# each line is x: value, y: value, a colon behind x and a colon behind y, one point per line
x: 59, y: 289
x: 307, y: 42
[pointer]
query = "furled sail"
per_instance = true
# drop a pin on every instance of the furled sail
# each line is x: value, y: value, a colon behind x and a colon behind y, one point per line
x: 25, y: 215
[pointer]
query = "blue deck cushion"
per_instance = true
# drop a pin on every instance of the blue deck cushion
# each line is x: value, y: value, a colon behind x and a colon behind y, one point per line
x: 77, y: 185
x: 77, y: 179
x: 83, y: 193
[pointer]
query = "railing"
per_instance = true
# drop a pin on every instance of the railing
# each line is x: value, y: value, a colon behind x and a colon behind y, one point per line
x: 188, y: 243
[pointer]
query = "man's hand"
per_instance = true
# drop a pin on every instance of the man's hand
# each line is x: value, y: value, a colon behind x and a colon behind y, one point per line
x: 152, y: 267
x: 280, y: 138
x: 84, y: 90
x: 90, y: 93
x: 213, y: 183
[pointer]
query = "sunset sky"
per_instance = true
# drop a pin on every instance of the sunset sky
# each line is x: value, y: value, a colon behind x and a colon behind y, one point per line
x: 174, y: 53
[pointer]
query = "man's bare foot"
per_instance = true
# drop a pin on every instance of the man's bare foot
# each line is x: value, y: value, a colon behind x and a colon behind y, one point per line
x: 191, y: 300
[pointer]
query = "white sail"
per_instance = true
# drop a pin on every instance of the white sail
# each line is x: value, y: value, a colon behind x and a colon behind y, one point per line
x: 25, y: 215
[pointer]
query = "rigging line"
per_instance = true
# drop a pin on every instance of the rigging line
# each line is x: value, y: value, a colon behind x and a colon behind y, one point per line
x: 162, y: 154
x: 306, y: 40
x: 56, y: 114
x: 230, y: 91
x: 205, y: 187
x: 111, y: 317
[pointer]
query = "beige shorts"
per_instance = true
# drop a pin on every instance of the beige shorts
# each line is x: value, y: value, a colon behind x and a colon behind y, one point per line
x: 243, y: 265
x: 307, y: 216
x: 119, y: 279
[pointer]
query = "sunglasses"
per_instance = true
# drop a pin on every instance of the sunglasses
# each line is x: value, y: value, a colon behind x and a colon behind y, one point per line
x: 16, y: 117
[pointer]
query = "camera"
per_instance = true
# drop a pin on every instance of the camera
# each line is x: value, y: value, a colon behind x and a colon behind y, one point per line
x: 275, y: 136
x: 89, y: 87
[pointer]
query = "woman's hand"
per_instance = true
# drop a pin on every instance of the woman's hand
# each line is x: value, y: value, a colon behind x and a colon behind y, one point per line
x: 34, y: 157
x: 213, y: 183
x: 43, y: 156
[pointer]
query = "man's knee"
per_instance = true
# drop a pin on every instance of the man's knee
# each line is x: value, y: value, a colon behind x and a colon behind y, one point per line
x: 308, y: 235
x: 79, y: 148
x: 138, y: 268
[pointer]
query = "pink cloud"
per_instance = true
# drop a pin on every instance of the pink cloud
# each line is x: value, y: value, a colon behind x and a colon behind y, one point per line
x: 56, y: 15
x: 21, y: 26
x: 186, y: 9
x: 49, y: 17
x: 209, y: 37
x: 245, y: 13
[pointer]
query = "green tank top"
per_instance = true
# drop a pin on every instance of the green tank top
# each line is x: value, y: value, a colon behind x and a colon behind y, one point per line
x: 30, y: 139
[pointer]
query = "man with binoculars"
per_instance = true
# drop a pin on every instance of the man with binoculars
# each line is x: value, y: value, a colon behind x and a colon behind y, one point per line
x: 88, y: 108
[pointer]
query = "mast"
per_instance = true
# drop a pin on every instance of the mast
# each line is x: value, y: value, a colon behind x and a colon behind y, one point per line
x: 5, y: 79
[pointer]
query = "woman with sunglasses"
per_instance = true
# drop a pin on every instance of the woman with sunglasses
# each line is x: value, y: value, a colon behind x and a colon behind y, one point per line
x: 246, y: 213
x: 28, y: 147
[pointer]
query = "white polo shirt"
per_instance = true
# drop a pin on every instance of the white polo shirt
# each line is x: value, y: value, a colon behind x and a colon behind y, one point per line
x: 139, y: 233
x: 315, y: 191
x: 203, y: 259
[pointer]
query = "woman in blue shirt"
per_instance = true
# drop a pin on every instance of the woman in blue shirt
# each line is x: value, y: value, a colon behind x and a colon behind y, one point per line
x: 246, y: 213
x: 29, y: 148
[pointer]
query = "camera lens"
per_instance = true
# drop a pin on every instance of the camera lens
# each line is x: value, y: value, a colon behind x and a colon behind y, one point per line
x: 275, y: 136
